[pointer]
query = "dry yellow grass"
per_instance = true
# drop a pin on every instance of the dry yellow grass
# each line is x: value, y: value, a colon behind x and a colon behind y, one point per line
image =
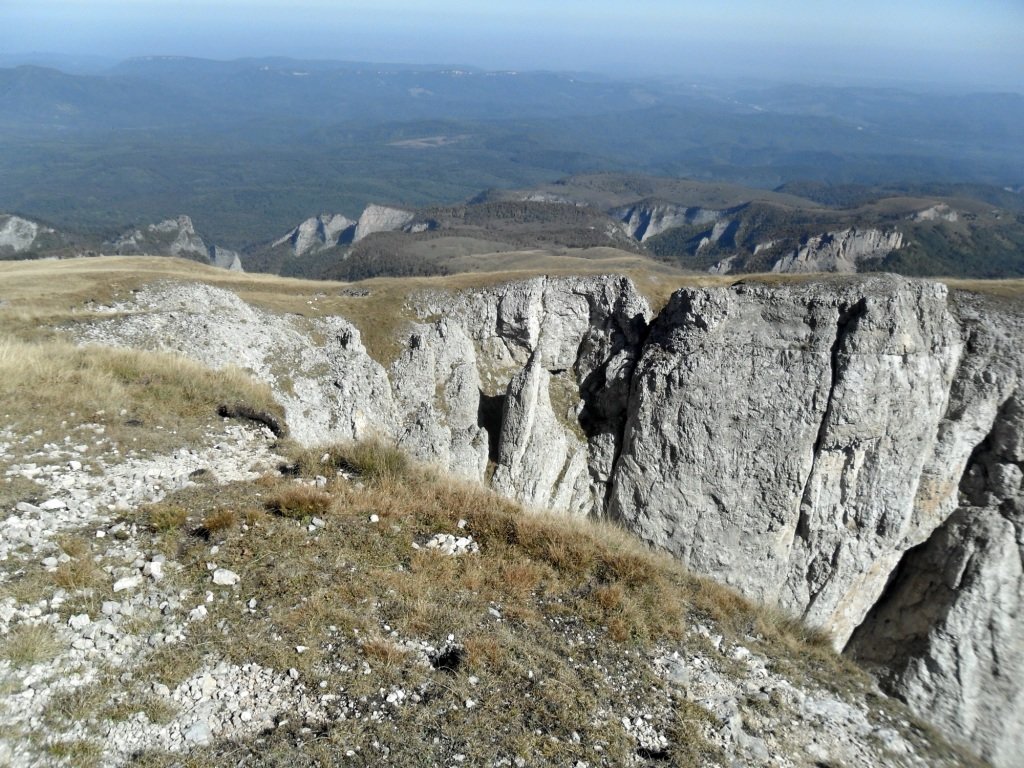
x: 142, y: 400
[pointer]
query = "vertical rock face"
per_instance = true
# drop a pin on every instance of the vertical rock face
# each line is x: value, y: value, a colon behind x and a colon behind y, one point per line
x: 318, y: 233
x: 225, y: 259
x: 551, y: 361
x: 171, y: 237
x: 776, y: 436
x: 650, y: 218
x: 840, y: 251
x: 380, y: 218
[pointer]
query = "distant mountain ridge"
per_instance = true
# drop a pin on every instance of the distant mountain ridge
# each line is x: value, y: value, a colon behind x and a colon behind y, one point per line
x: 723, y: 229
x: 250, y: 147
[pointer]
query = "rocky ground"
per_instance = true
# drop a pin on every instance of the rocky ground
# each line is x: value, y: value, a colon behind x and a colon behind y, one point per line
x: 89, y: 597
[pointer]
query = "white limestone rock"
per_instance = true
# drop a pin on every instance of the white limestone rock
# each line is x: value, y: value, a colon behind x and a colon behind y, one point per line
x: 318, y: 233
x: 380, y: 218
x: 776, y: 436
x: 840, y: 251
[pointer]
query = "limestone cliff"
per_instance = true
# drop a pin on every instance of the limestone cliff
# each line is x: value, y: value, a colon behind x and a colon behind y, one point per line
x: 318, y: 233
x: 842, y: 251
x: 380, y: 218
x: 171, y: 237
x: 849, y: 450
x: 646, y: 219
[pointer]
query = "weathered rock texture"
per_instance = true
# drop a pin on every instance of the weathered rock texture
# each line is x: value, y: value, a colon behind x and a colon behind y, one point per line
x: 319, y: 233
x: 849, y: 450
x: 226, y: 259
x: 173, y: 237
x: 843, y: 251
x: 380, y: 218
x: 17, y: 234
x: 647, y: 219
x: 840, y: 251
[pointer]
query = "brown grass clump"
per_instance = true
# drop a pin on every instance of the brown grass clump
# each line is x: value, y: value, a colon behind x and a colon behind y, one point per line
x: 300, y: 502
x: 79, y: 573
x: 164, y: 518
x: 384, y: 651
x: 218, y: 521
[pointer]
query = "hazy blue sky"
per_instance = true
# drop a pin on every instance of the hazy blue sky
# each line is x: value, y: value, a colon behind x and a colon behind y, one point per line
x: 980, y: 42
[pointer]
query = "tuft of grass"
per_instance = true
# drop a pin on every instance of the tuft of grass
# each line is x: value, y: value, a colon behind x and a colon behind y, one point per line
x: 81, y: 753
x: 164, y: 518
x: 75, y: 704
x: 157, y: 709
x: 28, y: 644
x: 19, y: 488
x: 300, y: 502
x: 376, y: 461
x: 218, y: 522
x: 79, y: 573
x: 384, y: 651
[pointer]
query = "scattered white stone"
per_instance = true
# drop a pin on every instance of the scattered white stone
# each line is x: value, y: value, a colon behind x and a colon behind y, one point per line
x: 198, y: 613
x: 79, y: 621
x: 225, y: 578
x: 154, y: 569
x: 128, y: 582
x: 453, y: 545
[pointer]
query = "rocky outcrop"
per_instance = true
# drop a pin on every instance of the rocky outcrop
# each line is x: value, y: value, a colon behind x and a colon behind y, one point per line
x: 319, y: 233
x: 380, y: 218
x: 647, y: 219
x: 843, y: 251
x: 840, y: 251
x: 948, y: 633
x: 803, y: 443
x: 331, y: 389
x: 225, y: 259
x: 18, y: 235
x: 171, y: 237
x: 776, y: 436
x: 553, y: 359
x: 799, y: 442
x: 938, y: 212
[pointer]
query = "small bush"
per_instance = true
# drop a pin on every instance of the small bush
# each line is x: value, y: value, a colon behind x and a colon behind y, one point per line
x: 300, y: 502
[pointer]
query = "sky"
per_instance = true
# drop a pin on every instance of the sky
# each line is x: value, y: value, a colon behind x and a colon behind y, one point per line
x: 977, y: 43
